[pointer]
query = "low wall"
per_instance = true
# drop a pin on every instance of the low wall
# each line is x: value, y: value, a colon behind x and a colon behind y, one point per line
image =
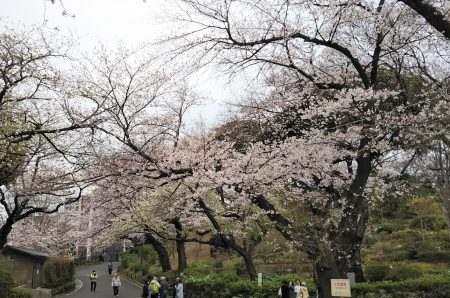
x: 41, y: 293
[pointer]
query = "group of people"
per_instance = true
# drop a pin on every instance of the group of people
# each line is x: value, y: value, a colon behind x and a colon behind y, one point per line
x: 115, y: 281
x: 293, y: 289
x: 153, y: 287
x: 159, y: 288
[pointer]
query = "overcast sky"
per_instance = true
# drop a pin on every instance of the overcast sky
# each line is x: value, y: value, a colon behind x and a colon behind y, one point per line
x: 110, y: 21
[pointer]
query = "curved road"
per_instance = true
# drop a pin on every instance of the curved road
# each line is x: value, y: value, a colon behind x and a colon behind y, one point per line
x: 104, y: 288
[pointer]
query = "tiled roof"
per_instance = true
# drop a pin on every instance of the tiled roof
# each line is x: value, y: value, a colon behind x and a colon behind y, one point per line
x: 26, y: 251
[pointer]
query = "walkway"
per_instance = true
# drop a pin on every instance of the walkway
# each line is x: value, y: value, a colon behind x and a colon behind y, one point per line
x: 104, y: 288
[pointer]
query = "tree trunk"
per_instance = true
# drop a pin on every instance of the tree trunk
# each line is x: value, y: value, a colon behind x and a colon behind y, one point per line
x: 324, y: 274
x: 356, y: 267
x: 249, y: 265
x: 181, y: 251
x: 161, y: 250
x: 5, y: 229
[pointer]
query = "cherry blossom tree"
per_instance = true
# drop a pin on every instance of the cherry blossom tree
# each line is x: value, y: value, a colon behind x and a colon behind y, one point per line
x: 435, y: 13
x: 144, y: 121
x: 339, y: 79
x: 42, y: 147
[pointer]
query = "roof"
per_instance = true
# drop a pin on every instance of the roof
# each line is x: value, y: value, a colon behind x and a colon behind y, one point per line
x: 28, y: 252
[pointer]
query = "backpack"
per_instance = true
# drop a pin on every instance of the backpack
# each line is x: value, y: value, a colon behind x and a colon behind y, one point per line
x: 154, y: 287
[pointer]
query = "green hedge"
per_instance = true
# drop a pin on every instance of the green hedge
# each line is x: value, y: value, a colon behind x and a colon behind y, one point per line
x: 20, y: 293
x: 7, y: 289
x: 58, y: 272
x: 437, y: 286
x: 229, y: 284
x: 6, y: 283
x: 64, y: 288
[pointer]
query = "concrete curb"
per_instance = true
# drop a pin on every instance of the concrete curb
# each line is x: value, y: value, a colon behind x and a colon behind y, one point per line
x: 78, y: 286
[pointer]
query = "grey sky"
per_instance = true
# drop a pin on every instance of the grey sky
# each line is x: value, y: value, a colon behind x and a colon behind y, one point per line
x: 110, y: 21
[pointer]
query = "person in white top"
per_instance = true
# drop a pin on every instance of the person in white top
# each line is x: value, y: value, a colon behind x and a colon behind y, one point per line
x: 296, y: 288
x: 115, y: 283
x: 179, y: 288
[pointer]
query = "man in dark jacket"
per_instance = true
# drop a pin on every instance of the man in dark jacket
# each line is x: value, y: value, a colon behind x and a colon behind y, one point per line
x: 285, y: 291
x: 164, y: 288
x: 145, y: 289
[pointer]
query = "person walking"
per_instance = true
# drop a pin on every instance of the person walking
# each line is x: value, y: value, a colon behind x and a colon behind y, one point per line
x: 303, y: 293
x: 284, y: 291
x: 146, y: 289
x: 110, y: 268
x: 164, y: 287
x: 296, y: 288
x: 179, y: 288
x: 154, y: 287
x: 93, y: 279
x: 115, y: 283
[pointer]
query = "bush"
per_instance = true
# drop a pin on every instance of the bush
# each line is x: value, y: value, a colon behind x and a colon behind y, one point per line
x: 377, y: 271
x: 58, y: 272
x: 64, y: 288
x: 218, y: 264
x: 20, y: 293
x: 201, y: 265
x: 6, y: 282
x: 240, y: 269
x: 228, y: 284
x: 434, y: 255
x: 431, y: 223
x: 404, y: 271
x: 385, y: 227
x: 437, y: 286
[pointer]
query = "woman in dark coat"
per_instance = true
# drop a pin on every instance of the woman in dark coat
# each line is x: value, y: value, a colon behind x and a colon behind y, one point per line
x: 145, y: 289
x: 285, y: 290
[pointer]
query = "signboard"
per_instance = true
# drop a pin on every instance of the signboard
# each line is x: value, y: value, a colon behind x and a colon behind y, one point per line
x: 340, y: 288
x: 259, y: 279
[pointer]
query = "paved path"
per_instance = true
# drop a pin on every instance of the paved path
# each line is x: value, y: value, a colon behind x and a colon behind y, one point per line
x: 104, y: 288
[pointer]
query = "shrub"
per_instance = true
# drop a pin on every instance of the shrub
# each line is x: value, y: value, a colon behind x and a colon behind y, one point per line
x: 397, y: 255
x: 385, y: 227
x: 145, y: 270
x: 403, y: 271
x: 437, y: 286
x: 240, y: 269
x: 377, y: 271
x: 434, y: 255
x: 6, y: 282
x: 20, y: 293
x: 58, y: 272
x: 64, y: 288
x: 201, y: 265
x: 228, y: 284
x: 432, y: 223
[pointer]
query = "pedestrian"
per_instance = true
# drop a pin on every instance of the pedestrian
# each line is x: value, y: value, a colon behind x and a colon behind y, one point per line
x: 110, y: 268
x: 145, y: 288
x: 179, y: 288
x: 115, y: 283
x: 93, y: 279
x: 296, y: 288
x: 303, y: 291
x: 154, y: 287
x: 164, y: 287
x: 292, y: 289
x: 284, y: 291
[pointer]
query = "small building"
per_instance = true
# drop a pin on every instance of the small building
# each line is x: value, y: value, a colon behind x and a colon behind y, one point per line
x: 24, y: 265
